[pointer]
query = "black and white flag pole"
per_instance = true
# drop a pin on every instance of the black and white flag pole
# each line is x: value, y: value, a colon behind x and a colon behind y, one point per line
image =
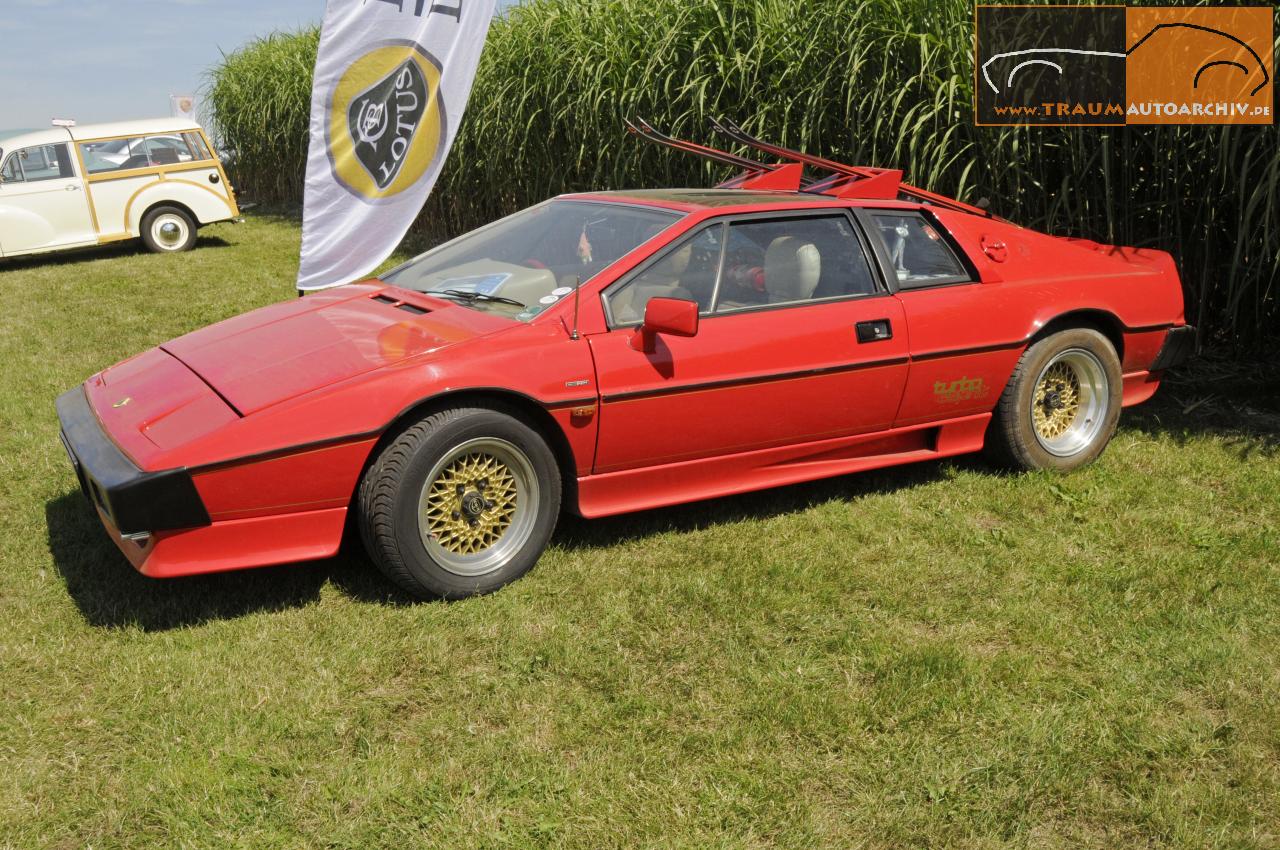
x: 392, y: 80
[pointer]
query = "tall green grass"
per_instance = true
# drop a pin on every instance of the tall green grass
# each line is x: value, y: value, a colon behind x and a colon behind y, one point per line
x: 881, y: 83
x: 259, y: 99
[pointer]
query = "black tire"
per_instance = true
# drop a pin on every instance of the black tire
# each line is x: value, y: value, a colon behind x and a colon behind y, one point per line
x: 409, y: 545
x: 1022, y: 436
x: 159, y: 223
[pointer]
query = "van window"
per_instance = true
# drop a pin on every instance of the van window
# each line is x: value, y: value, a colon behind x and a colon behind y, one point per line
x: 168, y: 150
x: 115, y: 155
x: 44, y: 162
x: 11, y: 172
x: 197, y: 144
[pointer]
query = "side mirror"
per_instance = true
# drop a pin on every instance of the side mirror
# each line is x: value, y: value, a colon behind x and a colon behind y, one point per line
x: 674, y: 316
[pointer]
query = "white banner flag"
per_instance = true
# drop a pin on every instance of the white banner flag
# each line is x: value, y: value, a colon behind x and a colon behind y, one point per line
x: 182, y: 106
x: 392, y: 80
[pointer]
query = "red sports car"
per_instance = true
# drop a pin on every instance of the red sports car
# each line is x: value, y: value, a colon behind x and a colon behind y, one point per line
x: 617, y: 351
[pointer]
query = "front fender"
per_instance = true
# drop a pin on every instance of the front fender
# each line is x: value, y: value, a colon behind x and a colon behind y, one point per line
x: 21, y: 227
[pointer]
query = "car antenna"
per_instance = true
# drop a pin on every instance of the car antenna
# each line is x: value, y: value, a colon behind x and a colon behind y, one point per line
x: 577, y: 284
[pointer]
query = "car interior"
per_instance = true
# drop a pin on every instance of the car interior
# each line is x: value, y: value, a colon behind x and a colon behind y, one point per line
x: 784, y: 261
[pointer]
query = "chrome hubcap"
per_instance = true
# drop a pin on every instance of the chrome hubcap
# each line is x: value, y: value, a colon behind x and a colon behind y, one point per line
x: 478, y: 506
x: 1070, y: 402
x: 169, y: 231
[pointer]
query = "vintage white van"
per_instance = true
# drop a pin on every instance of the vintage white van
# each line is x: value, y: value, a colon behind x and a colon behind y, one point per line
x: 71, y: 187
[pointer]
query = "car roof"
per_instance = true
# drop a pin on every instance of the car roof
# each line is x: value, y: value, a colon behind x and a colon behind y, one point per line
x: 691, y: 200
x: 86, y: 132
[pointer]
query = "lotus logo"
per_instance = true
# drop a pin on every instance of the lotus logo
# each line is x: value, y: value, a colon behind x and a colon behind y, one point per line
x: 386, y: 122
x: 371, y: 122
x: 384, y: 119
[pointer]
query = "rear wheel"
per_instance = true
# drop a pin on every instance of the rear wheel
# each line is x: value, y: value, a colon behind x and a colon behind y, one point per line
x: 1060, y: 408
x: 168, y: 230
x: 460, y: 503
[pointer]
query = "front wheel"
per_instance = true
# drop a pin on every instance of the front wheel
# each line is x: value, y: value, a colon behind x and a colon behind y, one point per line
x: 460, y: 503
x: 1060, y: 407
x: 168, y: 230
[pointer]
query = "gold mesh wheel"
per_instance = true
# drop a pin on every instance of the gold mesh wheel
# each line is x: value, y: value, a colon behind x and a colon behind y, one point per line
x: 1057, y: 401
x: 471, y: 503
x: 478, y: 506
x: 1069, y: 403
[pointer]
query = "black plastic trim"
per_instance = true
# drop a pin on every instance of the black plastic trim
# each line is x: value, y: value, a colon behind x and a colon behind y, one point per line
x: 961, y: 352
x: 1179, y: 345
x: 136, y: 501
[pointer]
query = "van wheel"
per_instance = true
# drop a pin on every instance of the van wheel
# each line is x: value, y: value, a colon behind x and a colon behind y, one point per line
x: 460, y: 504
x: 168, y: 230
x: 1060, y: 408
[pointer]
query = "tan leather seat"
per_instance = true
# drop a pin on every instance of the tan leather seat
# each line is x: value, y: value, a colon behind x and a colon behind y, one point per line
x: 792, y: 268
x: 660, y: 281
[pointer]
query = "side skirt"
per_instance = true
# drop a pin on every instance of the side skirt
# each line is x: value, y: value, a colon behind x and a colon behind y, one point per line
x: 707, y: 478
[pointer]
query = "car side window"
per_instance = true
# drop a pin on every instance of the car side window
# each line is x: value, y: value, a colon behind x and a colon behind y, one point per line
x: 167, y: 150
x: 918, y: 253
x: 12, y: 170
x: 792, y: 260
x: 197, y: 145
x: 44, y: 162
x: 687, y: 271
x: 115, y: 155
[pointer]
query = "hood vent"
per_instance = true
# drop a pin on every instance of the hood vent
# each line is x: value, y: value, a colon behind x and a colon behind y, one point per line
x: 400, y: 305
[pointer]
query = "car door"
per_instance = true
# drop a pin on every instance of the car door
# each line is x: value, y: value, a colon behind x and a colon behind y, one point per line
x: 42, y: 201
x: 798, y: 340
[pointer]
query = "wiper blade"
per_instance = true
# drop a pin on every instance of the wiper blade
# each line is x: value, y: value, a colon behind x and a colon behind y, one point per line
x: 470, y: 297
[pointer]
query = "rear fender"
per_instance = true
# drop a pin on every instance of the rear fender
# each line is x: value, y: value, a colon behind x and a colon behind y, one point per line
x: 205, y: 203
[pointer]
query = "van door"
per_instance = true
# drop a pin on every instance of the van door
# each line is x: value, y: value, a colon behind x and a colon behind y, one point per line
x: 42, y: 202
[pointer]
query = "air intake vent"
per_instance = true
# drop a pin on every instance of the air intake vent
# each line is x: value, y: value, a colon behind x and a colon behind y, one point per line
x: 400, y: 305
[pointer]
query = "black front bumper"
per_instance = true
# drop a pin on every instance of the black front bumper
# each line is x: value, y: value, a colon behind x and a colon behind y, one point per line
x: 137, y: 502
x: 1179, y: 345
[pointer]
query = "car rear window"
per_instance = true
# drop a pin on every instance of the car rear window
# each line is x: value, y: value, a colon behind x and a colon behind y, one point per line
x: 918, y: 252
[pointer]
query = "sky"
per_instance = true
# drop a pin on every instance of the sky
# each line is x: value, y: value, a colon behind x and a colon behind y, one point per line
x: 114, y: 60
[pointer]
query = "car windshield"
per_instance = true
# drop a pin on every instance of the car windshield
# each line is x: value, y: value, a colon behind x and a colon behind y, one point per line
x: 521, y: 265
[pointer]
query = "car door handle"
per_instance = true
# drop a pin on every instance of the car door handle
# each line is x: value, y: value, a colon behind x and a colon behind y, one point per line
x: 875, y: 330
x: 73, y: 188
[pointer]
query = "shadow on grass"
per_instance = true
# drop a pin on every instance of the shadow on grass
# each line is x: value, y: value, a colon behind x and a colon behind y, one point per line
x: 112, y: 250
x: 110, y: 593
x: 1236, y: 403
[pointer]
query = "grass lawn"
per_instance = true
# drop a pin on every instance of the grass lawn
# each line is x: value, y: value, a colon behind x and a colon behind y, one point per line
x: 935, y: 655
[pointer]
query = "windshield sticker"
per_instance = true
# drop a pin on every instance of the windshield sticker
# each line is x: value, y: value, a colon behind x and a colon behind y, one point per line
x: 562, y: 290
x: 483, y: 284
x: 548, y: 299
